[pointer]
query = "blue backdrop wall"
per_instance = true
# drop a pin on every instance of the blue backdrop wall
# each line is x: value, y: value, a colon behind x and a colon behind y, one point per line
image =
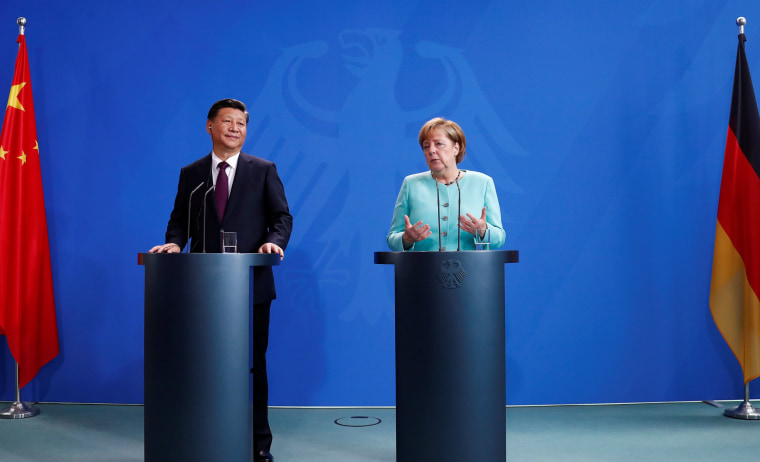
x: 602, y: 123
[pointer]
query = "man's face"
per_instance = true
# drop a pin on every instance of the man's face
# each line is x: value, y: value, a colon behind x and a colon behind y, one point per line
x: 227, y: 131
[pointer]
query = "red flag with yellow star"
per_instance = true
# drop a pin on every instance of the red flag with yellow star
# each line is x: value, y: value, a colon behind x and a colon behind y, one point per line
x: 27, y: 306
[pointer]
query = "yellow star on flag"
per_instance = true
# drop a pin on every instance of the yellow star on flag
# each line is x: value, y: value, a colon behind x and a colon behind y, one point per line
x: 13, y: 100
x: 3, y: 152
x: 36, y: 146
x: 22, y: 157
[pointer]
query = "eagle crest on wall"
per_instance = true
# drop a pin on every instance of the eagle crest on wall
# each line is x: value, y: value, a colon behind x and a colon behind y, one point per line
x: 335, y: 117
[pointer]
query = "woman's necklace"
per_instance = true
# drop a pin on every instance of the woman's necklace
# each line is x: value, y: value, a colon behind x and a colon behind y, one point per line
x: 459, y: 173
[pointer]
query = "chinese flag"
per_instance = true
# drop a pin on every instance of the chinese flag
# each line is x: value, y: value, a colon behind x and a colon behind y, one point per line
x: 27, y: 306
x: 735, y: 287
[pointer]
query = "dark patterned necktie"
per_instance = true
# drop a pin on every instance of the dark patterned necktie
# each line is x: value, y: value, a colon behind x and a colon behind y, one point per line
x: 222, y: 190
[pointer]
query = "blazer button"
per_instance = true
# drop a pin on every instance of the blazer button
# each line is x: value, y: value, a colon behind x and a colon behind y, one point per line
x: 445, y: 233
x: 443, y: 248
x: 446, y: 204
x: 444, y: 218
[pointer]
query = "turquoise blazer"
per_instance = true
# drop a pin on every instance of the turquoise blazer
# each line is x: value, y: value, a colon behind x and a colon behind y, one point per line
x: 418, y: 199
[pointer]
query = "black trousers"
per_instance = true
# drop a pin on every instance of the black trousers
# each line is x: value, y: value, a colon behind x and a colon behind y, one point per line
x: 262, y: 434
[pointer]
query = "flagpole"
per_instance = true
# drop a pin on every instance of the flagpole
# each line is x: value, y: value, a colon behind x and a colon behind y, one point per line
x: 19, y: 409
x: 745, y: 410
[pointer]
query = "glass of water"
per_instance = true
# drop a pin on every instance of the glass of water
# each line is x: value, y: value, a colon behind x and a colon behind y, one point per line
x: 229, y: 241
x: 483, y: 239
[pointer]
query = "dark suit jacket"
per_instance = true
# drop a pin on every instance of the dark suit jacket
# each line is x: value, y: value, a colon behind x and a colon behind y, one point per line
x: 256, y: 209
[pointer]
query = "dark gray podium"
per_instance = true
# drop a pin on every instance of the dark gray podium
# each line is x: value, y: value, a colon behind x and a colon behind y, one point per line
x: 450, y: 371
x: 197, y: 368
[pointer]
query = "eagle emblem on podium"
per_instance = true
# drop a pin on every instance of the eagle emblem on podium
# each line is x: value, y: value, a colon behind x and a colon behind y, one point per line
x: 451, y: 274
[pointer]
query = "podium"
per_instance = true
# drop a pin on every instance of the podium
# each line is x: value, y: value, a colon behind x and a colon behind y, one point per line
x: 197, y: 355
x: 450, y: 358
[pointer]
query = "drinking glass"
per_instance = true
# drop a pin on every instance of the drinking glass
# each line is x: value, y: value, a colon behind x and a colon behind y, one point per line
x: 229, y: 241
x: 483, y: 239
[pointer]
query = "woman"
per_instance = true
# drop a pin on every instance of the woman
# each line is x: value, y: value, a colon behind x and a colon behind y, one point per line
x: 430, y: 200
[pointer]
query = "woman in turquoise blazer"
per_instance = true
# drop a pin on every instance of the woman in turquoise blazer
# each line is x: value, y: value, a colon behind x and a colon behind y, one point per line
x: 431, y: 204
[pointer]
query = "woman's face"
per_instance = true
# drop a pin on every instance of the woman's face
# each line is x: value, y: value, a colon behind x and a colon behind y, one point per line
x: 440, y: 152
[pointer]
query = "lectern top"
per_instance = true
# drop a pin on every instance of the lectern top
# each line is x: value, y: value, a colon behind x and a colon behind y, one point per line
x: 251, y: 259
x: 392, y: 258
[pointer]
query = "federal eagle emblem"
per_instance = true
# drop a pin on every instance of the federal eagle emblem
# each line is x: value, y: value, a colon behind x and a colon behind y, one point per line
x: 323, y: 99
x: 451, y: 274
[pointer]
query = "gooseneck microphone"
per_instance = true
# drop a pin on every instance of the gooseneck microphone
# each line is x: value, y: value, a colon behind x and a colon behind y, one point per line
x: 189, y: 202
x: 438, y: 200
x: 205, y: 202
x: 459, y: 211
x: 459, y: 208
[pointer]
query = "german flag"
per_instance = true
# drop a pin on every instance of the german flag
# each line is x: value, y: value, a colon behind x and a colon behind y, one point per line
x: 735, y: 286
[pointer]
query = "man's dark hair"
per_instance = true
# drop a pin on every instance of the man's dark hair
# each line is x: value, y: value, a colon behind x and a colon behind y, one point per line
x: 223, y: 103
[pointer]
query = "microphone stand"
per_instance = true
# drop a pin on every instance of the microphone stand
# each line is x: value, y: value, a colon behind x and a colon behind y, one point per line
x: 205, y: 203
x: 459, y: 212
x: 438, y: 198
x: 189, y: 202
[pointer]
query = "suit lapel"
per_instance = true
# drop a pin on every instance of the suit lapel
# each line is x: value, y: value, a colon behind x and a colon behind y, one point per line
x: 203, y: 171
x: 244, y: 171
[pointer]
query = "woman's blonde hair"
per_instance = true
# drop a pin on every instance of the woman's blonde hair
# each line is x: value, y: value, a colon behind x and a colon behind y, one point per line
x: 453, y: 132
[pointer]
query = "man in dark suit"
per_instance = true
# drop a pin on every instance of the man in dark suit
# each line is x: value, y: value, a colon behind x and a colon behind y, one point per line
x: 249, y: 199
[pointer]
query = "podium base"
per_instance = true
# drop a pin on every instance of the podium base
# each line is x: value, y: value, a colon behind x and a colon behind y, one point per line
x: 19, y: 410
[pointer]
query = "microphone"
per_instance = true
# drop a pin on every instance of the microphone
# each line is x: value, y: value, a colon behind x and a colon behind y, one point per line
x: 438, y: 208
x: 189, y: 202
x: 205, y: 202
x: 438, y: 198
x: 459, y: 207
x: 459, y: 212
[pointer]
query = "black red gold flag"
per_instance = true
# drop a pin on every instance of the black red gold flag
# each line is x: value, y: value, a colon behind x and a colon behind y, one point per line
x: 735, y: 286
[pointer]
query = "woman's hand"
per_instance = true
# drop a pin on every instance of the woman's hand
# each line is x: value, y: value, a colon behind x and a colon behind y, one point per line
x: 472, y: 224
x: 414, y: 232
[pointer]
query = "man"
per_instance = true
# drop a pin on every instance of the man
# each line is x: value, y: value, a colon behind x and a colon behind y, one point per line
x: 248, y: 198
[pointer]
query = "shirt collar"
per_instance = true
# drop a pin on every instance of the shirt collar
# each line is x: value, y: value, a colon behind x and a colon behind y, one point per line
x: 232, y: 161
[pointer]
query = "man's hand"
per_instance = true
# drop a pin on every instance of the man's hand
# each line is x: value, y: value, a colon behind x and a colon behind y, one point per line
x: 166, y: 248
x: 272, y: 248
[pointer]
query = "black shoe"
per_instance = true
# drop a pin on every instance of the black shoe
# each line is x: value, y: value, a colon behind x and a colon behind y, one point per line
x: 264, y: 456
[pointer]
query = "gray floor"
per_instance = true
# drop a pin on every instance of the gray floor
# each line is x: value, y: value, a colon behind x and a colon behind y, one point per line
x: 633, y: 432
